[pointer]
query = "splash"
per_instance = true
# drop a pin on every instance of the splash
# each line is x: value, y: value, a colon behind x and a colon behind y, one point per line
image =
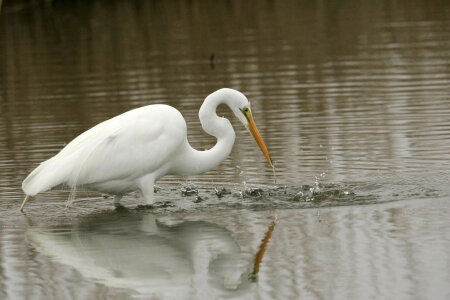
x: 274, y: 175
x: 189, y: 189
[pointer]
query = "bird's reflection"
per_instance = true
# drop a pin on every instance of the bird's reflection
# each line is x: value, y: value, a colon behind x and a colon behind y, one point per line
x: 135, y: 250
x: 262, y: 250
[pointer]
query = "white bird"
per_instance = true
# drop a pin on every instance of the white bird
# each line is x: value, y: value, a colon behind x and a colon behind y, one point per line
x: 133, y: 150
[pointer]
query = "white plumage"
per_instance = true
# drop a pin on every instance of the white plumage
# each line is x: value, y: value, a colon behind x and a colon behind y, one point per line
x: 131, y: 151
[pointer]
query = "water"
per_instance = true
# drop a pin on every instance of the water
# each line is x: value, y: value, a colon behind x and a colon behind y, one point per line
x: 351, y: 98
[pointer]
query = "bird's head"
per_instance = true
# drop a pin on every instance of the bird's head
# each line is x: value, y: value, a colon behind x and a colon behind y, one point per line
x: 241, y: 108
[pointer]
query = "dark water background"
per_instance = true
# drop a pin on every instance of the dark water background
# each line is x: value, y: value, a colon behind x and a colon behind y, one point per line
x: 351, y: 97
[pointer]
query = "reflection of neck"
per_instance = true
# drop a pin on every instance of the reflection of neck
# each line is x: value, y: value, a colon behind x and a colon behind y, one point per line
x: 193, y: 161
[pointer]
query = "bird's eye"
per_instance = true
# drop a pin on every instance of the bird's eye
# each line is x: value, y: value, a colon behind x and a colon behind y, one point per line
x: 246, y: 109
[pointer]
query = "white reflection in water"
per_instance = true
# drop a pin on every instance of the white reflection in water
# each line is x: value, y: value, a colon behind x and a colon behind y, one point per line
x: 396, y: 250
x: 191, y: 259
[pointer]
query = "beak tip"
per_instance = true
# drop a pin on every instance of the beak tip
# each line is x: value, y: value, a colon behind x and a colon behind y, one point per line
x: 254, y: 131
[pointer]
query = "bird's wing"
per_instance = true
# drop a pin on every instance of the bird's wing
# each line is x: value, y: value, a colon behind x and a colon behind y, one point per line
x: 128, y: 146
x: 123, y: 148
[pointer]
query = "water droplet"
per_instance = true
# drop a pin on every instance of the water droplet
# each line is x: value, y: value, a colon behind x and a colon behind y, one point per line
x: 274, y: 175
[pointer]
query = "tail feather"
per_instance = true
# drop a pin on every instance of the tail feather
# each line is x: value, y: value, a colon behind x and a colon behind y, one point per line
x: 46, y: 176
x: 71, y: 166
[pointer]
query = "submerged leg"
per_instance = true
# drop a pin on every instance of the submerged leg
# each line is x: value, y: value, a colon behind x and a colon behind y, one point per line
x: 27, y: 197
x: 146, y: 187
x: 117, y: 200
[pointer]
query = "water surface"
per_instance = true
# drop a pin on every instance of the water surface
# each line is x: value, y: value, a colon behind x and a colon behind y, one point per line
x: 351, y: 98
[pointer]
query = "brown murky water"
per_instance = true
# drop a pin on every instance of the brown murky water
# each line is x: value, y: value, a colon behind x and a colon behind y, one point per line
x: 351, y: 97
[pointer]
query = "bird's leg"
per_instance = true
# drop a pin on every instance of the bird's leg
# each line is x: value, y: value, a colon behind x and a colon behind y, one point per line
x: 146, y: 187
x: 27, y: 197
x: 149, y: 195
x: 117, y: 200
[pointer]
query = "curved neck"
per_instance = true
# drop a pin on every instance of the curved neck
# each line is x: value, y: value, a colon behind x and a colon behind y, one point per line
x: 192, y: 161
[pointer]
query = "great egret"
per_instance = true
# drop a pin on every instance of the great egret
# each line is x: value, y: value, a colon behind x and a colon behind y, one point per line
x: 131, y: 151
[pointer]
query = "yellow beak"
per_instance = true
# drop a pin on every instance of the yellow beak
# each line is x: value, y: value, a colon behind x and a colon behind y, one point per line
x: 254, y: 131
